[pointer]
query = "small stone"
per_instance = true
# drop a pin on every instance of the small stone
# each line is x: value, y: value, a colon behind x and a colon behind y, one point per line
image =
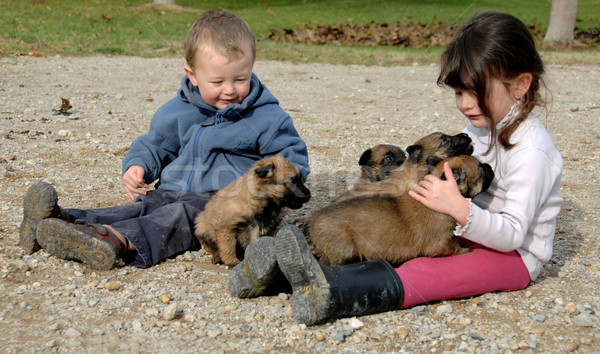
x: 93, y: 284
x: 246, y: 328
x: 374, y: 335
x: 465, y: 321
x: 340, y: 337
x: 444, y: 309
x: 63, y: 133
x: 402, y: 333
x: 583, y: 320
x: 170, y: 312
x: 570, y: 347
x: 537, y: 330
x: 419, y: 309
x: 112, y: 286
x: 50, y: 344
x: 532, y: 345
x: 165, y: 299
x: 212, y: 333
x: 151, y: 312
x: 72, y: 332
x: 319, y: 337
x: 355, y: 323
x: 230, y: 307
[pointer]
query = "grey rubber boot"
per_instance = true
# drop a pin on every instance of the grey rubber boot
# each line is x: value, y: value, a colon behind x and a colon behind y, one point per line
x: 40, y: 202
x: 321, y: 293
x: 258, y: 273
x: 93, y: 244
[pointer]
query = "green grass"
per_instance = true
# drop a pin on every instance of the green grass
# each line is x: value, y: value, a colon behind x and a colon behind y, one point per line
x: 135, y: 27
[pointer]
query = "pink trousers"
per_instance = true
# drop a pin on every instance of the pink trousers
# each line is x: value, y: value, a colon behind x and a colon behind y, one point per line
x: 478, y: 272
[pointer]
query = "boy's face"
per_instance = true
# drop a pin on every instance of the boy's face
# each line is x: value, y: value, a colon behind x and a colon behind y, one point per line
x: 219, y: 79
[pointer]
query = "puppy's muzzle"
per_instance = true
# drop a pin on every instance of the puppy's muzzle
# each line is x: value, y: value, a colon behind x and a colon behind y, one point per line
x: 461, y: 144
x: 297, y: 195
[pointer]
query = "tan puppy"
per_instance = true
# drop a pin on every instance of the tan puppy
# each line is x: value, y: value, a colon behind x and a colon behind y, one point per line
x: 249, y: 207
x: 395, y: 228
x: 377, y: 162
x: 423, y: 155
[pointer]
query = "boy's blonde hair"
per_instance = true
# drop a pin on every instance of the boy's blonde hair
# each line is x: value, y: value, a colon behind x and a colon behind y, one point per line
x: 228, y: 34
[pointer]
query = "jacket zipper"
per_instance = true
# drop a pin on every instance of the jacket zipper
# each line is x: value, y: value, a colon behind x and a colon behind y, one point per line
x: 196, y: 152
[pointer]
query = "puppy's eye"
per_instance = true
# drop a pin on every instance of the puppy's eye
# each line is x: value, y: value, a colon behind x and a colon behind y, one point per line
x: 387, y: 159
x: 445, y: 140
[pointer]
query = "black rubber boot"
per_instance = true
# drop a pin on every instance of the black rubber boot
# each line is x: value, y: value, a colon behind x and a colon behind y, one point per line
x: 93, y: 244
x: 258, y: 274
x: 322, y: 293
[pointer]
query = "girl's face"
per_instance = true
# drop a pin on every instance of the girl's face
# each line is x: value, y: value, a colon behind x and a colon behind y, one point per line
x: 501, y: 99
x: 219, y: 79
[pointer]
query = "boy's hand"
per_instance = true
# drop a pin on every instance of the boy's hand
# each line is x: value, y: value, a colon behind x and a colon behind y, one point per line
x: 133, y: 180
x: 442, y: 196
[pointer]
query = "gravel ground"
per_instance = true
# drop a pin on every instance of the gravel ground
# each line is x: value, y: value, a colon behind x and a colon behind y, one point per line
x: 182, y: 304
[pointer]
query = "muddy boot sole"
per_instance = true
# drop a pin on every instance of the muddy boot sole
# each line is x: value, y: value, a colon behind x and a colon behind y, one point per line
x: 258, y: 274
x: 64, y: 241
x: 38, y: 203
x: 311, y: 298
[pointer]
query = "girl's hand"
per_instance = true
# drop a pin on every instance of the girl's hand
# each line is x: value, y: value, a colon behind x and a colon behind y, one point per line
x: 133, y: 181
x: 442, y: 196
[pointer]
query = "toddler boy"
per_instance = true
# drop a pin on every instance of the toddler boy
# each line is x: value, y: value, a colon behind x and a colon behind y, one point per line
x: 222, y: 120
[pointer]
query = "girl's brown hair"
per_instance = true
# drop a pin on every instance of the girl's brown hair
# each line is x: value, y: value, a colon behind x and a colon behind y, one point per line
x: 493, y: 44
x: 228, y: 34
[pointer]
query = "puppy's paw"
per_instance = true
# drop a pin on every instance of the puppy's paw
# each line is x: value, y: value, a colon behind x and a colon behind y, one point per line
x: 464, y: 250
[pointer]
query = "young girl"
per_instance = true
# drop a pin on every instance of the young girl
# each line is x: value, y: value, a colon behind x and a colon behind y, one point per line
x: 495, y: 71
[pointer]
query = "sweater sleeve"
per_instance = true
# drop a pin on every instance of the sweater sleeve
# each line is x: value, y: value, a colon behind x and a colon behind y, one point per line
x: 528, y: 181
x: 155, y: 149
x: 283, y: 139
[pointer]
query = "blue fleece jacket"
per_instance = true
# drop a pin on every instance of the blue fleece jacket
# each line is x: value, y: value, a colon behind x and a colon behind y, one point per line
x: 194, y: 147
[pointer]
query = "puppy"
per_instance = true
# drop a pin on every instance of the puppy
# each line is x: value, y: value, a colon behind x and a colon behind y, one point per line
x: 249, y: 207
x: 395, y: 228
x: 377, y: 162
x: 422, y: 156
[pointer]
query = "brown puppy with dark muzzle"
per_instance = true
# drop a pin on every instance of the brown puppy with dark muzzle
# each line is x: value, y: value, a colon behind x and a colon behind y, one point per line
x: 395, y: 228
x: 421, y: 155
x: 377, y: 162
x: 249, y: 207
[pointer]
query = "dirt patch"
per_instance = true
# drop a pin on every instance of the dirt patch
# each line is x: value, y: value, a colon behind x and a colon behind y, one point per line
x: 183, y: 304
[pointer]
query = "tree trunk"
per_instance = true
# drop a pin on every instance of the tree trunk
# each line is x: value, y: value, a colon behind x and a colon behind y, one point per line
x: 562, y: 23
x: 164, y: 1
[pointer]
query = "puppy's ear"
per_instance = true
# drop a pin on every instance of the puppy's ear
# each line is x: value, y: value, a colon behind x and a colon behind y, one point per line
x: 415, y: 153
x: 265, y: 171
x: 458, y: 174
x: 364, y: 158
